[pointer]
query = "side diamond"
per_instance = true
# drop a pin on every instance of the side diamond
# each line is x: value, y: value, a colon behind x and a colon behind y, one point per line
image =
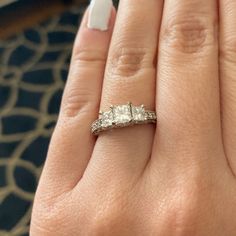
x: 107, y: 119
x: 138, y: 113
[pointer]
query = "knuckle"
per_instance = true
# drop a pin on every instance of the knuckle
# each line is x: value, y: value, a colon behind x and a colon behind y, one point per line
x: 78, y: 100
x: 89, y: 58
x: 128, y: 61
x: 104, y: 225
x: 46, y: 217
x: 110, y: 214
x: 190, y: 35
x: 189, y: 204
x: 181, y: 216
x: 78, y: 97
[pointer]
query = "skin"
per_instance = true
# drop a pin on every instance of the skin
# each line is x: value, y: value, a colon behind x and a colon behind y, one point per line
x: 178, y: 178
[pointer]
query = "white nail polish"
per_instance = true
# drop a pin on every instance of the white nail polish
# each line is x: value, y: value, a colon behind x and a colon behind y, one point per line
x: 99, y: 14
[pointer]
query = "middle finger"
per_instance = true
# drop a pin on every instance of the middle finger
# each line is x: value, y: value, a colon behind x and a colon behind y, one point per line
x: 188, y: 83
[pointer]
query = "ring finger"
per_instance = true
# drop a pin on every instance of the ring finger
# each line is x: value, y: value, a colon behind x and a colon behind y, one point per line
x: 130, y: 76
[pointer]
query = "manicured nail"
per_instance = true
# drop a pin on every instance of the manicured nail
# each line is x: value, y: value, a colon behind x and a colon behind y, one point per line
x: 99, y: 14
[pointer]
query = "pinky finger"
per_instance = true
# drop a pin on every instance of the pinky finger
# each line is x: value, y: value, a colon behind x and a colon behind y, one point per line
x: 72, y: 143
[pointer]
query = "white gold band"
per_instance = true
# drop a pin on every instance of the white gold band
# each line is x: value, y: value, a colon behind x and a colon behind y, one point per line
x: 122, y: 116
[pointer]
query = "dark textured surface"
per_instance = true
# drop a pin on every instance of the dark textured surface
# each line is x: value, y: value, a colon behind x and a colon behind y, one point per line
x: 33, y: 69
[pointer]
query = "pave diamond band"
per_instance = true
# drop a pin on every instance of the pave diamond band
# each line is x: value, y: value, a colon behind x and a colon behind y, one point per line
x: 122, y: 116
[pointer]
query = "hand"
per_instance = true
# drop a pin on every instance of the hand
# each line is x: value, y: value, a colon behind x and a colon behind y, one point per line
x: 177, y: 178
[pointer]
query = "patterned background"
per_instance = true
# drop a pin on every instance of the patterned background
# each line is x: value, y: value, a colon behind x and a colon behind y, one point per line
x: 33, y: 70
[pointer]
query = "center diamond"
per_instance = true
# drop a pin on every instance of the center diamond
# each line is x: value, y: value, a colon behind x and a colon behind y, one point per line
x: 138, y: 113
x: 122, y: 114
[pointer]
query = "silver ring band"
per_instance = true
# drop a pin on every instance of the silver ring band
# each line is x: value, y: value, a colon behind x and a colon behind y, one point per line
x: 122, y: 116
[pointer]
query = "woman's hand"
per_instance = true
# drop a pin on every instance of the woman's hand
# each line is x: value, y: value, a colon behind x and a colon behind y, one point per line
x: 178, y: 178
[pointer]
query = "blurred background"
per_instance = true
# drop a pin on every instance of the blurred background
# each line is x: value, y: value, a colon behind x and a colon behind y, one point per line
x: 36, y: 39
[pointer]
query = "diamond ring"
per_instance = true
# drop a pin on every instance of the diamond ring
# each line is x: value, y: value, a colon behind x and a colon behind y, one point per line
x: 122, y: 116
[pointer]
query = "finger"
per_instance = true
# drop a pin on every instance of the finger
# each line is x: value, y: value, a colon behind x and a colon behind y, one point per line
x: 228, y: 77
x: 72, y: 142
x: 130, y: 76
x: 188, y: 82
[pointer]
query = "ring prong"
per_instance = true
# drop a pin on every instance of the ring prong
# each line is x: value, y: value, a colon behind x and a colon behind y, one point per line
x: 100, y: 112
x: 142, y: 106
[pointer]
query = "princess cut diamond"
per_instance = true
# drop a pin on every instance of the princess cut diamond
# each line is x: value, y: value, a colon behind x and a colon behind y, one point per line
x: 138, y: 113
x: 107, y: 119
x: 122, y: 114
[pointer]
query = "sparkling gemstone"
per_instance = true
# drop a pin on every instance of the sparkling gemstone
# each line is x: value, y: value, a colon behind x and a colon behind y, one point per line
x: 138, y: 113
x: 107, y: 119
x: 122, y: 114
x: 99, y: 123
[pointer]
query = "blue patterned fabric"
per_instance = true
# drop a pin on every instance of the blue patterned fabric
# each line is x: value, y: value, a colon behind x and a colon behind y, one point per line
x: 33, y: 70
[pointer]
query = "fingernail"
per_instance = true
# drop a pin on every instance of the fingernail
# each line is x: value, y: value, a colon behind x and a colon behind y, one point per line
x: 99, y: 14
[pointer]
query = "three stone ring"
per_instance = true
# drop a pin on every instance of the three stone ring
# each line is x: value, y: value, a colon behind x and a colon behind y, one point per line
x: 122, y: 116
